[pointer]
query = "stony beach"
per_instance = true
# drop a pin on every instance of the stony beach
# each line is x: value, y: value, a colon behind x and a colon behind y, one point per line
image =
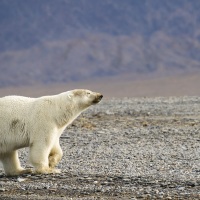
x: 130, y: 148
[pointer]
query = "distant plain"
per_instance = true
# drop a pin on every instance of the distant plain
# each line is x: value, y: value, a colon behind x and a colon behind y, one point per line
x: 119, y: 86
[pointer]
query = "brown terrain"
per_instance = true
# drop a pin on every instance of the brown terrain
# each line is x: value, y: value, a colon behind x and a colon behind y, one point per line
x: 120, y: 86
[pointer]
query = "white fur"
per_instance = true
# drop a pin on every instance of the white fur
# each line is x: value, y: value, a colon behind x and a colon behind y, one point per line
x: 38, y: 123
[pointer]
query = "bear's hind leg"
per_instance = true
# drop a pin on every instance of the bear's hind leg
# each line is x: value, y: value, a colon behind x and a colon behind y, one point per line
x: 12, y: 165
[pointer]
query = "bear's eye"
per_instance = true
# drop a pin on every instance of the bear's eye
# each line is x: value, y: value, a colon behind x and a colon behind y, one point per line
x: 88, y: 93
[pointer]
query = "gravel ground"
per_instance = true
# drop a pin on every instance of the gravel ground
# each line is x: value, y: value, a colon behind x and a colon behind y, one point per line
x: 145, y: 148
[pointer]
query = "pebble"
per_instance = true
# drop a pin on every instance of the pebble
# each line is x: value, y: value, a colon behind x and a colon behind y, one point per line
x: 181, y: 188
x: 191, y: 184
x: 21, y: 179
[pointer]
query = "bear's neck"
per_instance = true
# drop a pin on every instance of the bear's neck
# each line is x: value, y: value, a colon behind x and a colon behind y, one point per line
x: 67, y: 112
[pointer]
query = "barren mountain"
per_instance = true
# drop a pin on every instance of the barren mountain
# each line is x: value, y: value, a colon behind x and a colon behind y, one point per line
x: 61, y: 41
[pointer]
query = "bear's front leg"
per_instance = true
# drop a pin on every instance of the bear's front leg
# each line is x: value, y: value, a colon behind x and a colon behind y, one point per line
x: 39, y: 154
x: 40, y: 151
x: 12, y: 165
x: 55, y: 155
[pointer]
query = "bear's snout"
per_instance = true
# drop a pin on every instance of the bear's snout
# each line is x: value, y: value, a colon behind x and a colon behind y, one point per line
x: 98, y: 98
x: 101, y: 96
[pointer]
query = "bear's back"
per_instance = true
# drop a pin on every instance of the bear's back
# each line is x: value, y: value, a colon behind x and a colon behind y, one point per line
x: 13, y: 101
x: 14, y: 104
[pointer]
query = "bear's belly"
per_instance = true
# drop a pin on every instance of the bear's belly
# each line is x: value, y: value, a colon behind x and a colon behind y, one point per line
x: 11, y: 144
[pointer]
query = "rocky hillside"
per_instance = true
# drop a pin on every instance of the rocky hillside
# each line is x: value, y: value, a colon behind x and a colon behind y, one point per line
x: 59, y: 41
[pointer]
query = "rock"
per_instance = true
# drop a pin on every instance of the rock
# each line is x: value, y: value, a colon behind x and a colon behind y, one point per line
x: 21, y: 179
x: 181, y: 188
x: 191, y: 184
x: 2, y: 189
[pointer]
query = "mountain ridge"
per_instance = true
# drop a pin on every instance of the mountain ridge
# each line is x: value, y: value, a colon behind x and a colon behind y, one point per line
x: 47, y: 42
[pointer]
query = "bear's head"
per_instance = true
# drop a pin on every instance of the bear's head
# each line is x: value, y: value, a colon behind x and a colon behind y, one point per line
x: 84, y: 98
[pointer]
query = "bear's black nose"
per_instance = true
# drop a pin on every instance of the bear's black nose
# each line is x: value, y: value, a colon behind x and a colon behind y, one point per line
x: 101, y: 96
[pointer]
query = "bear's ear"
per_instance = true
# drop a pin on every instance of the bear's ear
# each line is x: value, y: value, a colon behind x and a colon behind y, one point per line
x: 69, y: 95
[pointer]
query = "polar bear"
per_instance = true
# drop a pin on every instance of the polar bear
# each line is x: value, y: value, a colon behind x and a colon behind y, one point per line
x: 38, y: 123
